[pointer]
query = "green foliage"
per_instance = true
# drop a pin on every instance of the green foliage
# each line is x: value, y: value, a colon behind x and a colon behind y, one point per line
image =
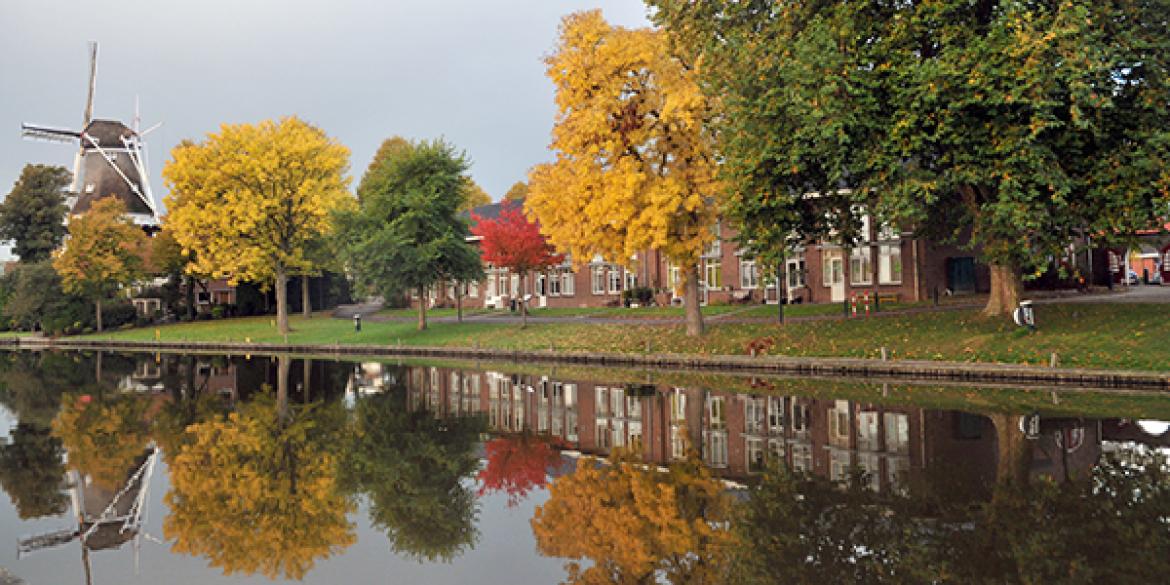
x: 1099, y: 529
x: 413, y: 465
x: 406, y: 235
x: 1016, y: 125
x: 33, y: 214
x: 32, y: 472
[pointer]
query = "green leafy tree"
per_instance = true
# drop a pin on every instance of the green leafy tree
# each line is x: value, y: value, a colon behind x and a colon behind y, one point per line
x: 414, y: 466
x: 32, y: 471
x: 1008, y: 127
x: 33, y: 214
x: 406, y: 234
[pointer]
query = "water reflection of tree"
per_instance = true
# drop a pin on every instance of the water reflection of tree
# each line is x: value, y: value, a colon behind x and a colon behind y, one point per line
x: 31, y: 471
x: 1111, y: 529
x: 636, y: 524
x: 105, y: 436
x: 255, y: 491
x: 413, y: 466
x: 516, y: 465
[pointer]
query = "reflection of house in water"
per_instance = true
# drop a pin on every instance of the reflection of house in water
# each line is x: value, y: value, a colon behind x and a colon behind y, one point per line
x: 898, y: 447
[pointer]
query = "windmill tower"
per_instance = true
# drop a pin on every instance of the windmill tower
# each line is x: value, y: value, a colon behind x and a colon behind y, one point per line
x: 111, y: 160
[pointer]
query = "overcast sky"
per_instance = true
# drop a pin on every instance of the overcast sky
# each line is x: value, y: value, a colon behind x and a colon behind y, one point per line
x: 362, y: 70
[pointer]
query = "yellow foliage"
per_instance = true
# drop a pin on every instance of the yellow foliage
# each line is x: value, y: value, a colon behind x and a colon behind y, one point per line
x: 104, y: 439
x: 634, y: 168
x: 104, y: 251
x: 248, y: 199
x: 633, y: 522
x: 254, y: 492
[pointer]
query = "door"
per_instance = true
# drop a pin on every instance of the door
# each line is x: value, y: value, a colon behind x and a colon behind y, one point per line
x: 961, y: 274
x: 834, y: 275
x: 541, y: 290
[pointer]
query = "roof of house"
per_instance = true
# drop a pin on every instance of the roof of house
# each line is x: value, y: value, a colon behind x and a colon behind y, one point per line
x: 492, y: 210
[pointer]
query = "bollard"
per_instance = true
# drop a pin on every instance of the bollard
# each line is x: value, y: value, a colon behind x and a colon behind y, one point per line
x: 867, y: 305
x: 854, y: 313
x: 357, y: 322
x: 885, y: 354
x: 647, y: 346
x: 1054, y: 360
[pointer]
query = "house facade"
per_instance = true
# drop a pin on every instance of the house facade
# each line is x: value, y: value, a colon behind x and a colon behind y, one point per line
x: 907, y: 269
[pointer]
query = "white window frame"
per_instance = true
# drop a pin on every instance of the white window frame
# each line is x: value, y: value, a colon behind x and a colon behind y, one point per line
x: 568, y: 283
x: 631, y: 280
x: 597, y: 279
x: 862, y: 274
x: 794, y: 270
x: 749, y: 276
x: 614, y: 281
x: 886, y: 255
x: 553, y: 282
x: 713, y: 267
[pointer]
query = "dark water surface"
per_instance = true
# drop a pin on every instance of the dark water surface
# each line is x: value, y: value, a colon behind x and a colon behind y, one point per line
x: 137, y: 468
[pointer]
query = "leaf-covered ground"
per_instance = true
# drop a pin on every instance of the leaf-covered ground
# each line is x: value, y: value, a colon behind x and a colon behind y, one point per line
x: 1084, y: 335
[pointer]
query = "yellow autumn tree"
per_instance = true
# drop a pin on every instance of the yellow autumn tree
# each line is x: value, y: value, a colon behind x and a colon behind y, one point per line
x: 634, y: 523
x: 104, y: 252
x: 474, y: 196
x: 256, y: 492
x: 104, y: 437
x: 517, y: 192
x: 633, y: 166
x: 250, y: 199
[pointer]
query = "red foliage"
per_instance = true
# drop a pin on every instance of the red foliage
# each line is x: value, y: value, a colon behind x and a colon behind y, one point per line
x: 516, y: 466
x: 512, y: 241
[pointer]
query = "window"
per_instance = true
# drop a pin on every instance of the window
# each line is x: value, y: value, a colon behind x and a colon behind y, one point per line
x: 615, y: 280
x: 631, y: 280
x: 503, y: 288
x: 890, y: 264
x: 473, y: 290
x: 516, y: 292
x: 673, y: 276
x: 754, y: 413
x: 602, y: 401
x: 568, y: 284
x: 715, y: 448
x: 491, y: 284
x: 755, y: 455
x: 748, y: 275
x: 775, y: 414
x: 715, y: 248
x: 678, y: 405
x: 713, y: 273
x: 897, y: 432
x: 795, y: 273
x: 800, y: 416
x: 831, y: 269
x: 867, y: 431
x: 860, y: 268
x: 597, y: 274
x: 554, y: 284
x: 716, y: 416
x: 839, y: 424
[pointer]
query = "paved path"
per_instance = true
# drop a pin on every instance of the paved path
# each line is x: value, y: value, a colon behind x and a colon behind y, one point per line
x: 1136, y: 294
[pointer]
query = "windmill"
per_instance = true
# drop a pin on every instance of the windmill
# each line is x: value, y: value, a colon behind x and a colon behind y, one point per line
x: 111, y: 160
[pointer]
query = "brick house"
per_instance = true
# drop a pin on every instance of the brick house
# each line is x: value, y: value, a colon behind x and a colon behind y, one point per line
x: 908, y: 269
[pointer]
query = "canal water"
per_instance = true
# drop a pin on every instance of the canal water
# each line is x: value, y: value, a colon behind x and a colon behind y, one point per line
x: 146, y: 468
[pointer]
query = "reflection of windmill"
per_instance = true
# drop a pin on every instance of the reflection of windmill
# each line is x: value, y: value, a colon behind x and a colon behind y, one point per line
x: 111, y: 159
x: 106, y: 519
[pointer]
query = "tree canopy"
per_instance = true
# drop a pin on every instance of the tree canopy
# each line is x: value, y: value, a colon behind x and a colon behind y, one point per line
x: 633, y: 166
x: 406, y: 235
x: 256, y: 492
x: 474, y: 196
x: 249, y: 199
x: 33, y: 213
x: 412, y: 466
x: 104, y: 252
x: 635, y: 524
x: 1011, y: 128
x: 517, y: 192
x: 514, y: 242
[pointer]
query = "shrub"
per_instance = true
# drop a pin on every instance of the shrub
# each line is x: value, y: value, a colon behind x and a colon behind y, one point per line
x: 217, y: 312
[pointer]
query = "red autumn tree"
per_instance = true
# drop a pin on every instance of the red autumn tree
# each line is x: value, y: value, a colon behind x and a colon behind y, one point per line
x: 516, y: 466
x: 512, y: 241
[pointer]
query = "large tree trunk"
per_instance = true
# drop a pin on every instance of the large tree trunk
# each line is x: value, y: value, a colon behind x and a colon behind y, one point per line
x: 283, y: 367
x: 1014, y: 450
x: 281, y: 300
x: 459, y: 302
x: 306, y: 300
x: 422, y: 308
x: 523, y: 305
x: 98, y: 314
x: 1005, y: 290
x: 190, y: 297
x: 694, y: 315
